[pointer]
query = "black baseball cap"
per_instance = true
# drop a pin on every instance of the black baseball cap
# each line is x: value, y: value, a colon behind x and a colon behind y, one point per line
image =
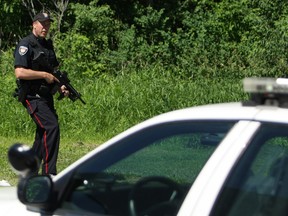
x: 41, y: 17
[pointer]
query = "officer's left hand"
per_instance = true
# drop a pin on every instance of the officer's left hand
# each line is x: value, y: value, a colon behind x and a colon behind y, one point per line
x: 64, y: 91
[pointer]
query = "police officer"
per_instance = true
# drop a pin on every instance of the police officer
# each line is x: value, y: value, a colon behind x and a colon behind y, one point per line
x: 35, y: 59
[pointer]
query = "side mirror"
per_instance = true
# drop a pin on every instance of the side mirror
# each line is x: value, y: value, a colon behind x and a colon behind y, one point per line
x: 36, y: 191
x: 32, y: 190
x: 23, y: 159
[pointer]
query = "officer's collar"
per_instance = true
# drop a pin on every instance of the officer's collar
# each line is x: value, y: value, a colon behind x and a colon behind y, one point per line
x: 39, y: 39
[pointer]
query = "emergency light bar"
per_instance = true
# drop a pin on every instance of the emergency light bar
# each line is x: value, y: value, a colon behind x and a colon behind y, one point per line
x: 266, y: 91
x: 266, y: 85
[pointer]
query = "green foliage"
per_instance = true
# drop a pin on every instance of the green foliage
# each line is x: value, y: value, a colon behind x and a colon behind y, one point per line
x: 192, y: 39
x: 92, y: 37
x: 97, y: 23
x: 11, y: 25
x: 76, y: 54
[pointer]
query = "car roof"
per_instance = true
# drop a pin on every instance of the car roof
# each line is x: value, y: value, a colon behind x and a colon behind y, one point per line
x: 227, y: 111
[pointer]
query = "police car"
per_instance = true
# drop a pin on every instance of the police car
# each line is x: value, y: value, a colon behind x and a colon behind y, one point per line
x: 218, y: 159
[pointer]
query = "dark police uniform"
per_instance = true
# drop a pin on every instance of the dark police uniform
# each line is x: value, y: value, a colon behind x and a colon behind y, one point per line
x: 37, y: 97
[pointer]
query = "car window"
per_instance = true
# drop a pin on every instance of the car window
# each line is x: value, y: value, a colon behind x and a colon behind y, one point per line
x: 258, y: 184
x: 148, y: 172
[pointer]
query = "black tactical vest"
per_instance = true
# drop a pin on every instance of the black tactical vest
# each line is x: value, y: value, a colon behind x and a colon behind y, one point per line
x: 43, y: 58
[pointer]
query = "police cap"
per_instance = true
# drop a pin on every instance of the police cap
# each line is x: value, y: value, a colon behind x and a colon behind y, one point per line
x: 41, y: 17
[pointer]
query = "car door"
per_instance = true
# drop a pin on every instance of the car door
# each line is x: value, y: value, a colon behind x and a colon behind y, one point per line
x: 258, y: 182
x: 148, y: 172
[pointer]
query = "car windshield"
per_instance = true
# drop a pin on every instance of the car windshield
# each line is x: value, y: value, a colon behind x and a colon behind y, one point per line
x: 148, y: 172
x: 258, y: 184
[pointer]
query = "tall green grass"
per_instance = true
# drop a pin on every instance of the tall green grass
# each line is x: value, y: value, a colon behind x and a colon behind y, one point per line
x: 113, y: 105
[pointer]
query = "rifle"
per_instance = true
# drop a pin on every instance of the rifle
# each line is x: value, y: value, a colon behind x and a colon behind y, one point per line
x: 63, y: 80
x: 62, y: 77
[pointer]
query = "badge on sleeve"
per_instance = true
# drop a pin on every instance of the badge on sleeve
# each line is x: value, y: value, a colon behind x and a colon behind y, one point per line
x: 23, y: 50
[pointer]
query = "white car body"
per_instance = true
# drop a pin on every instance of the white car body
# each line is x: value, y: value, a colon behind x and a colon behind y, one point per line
x: 9, y: 203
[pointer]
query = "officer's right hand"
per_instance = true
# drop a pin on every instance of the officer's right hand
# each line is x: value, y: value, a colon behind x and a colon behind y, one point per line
x: 50, y: 78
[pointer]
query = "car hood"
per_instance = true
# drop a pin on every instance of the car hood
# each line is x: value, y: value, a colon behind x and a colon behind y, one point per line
x: 9, y: 203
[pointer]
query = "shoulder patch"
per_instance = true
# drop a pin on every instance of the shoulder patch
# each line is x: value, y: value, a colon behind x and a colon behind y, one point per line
x: 23, y: 50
